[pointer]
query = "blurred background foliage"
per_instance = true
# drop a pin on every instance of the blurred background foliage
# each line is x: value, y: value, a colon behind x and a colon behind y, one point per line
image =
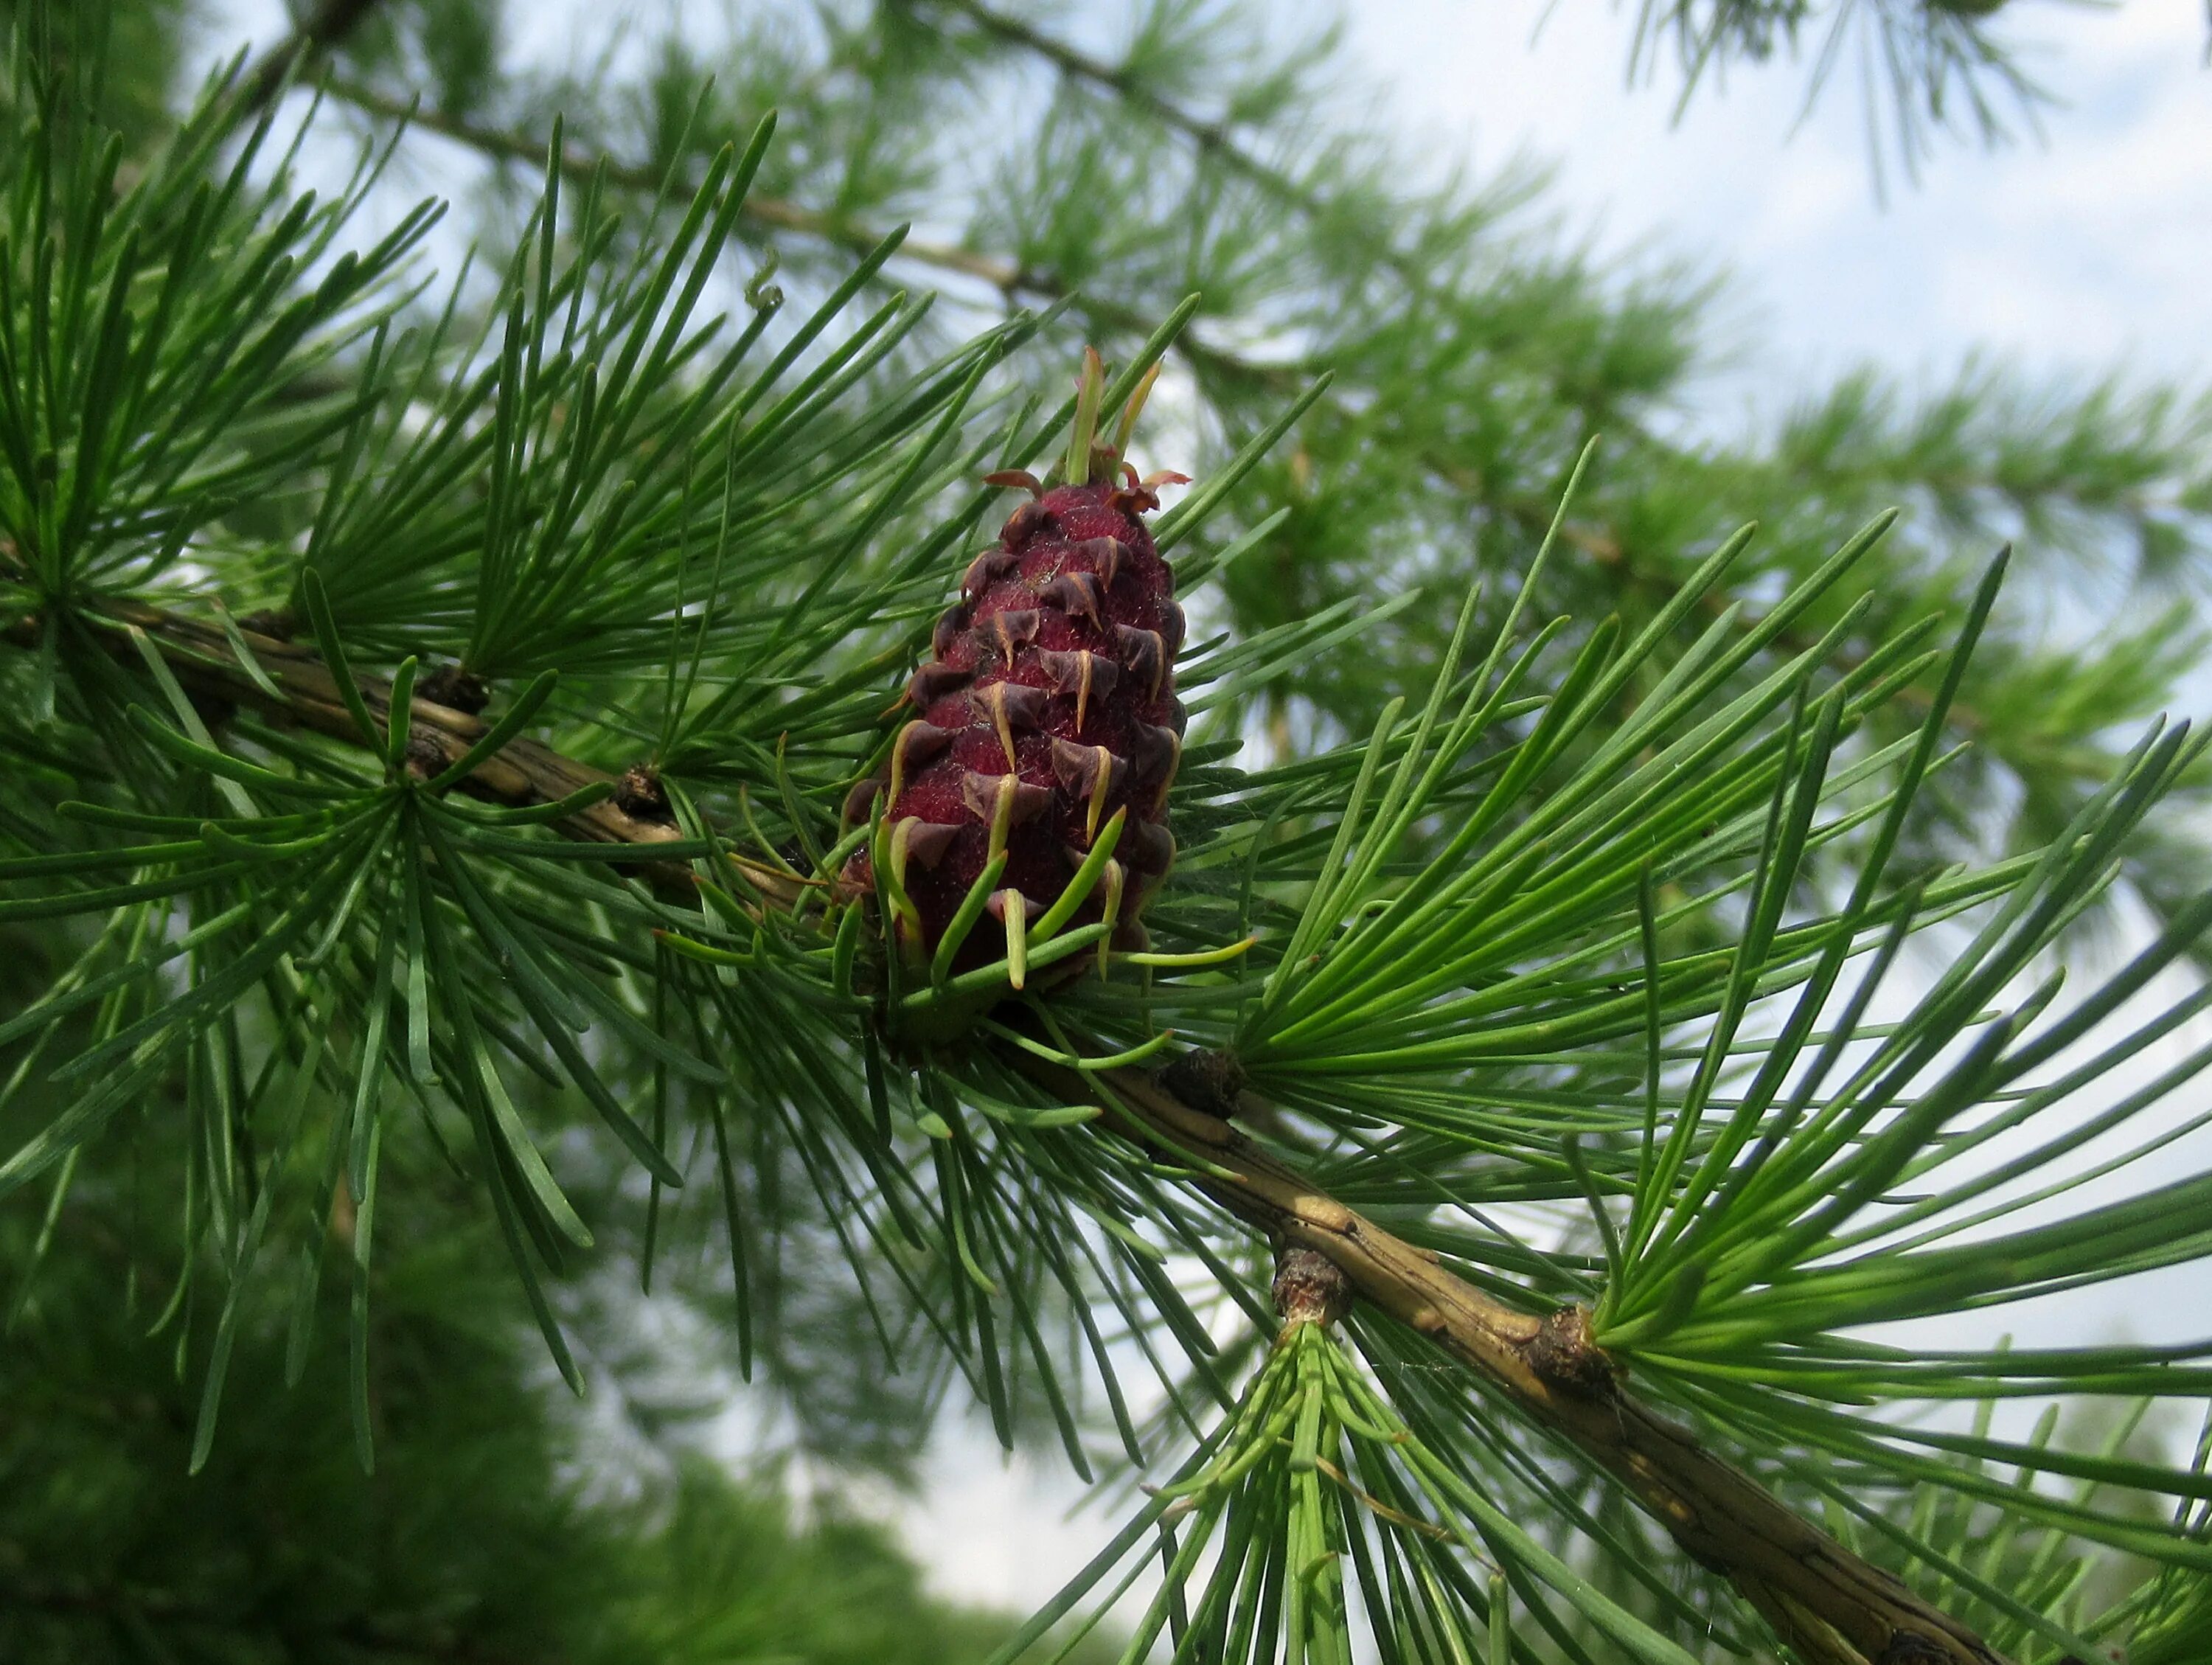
x: 504, y: 1521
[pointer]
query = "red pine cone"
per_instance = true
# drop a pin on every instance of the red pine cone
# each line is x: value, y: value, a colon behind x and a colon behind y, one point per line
x: 1051, y: 679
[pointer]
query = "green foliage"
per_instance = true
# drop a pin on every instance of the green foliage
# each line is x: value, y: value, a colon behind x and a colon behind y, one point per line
x: 1312, y: 1494
x: 1621, y: 928
x: 1928, y: 69
x: 494, y: 1527
x: 129, y: 48
x: 1111, y: 168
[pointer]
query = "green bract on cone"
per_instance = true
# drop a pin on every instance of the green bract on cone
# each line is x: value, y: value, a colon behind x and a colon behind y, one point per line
x: 1027, y: 792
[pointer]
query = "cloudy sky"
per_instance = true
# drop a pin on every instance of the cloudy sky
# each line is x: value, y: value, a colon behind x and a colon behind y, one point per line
x: 2089, y: 249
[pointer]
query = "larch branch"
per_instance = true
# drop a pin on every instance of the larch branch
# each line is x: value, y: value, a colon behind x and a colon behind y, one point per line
x: 1829, y: 1603
x: 521, y: 773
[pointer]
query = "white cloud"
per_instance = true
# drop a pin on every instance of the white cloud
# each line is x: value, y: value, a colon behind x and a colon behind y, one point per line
x: 2093, y: 249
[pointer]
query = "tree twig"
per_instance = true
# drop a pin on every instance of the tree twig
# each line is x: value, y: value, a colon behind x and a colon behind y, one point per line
x: 522, y: 772
x: 331, y: 22
x: 1830, y: 1604
x: 775, y: 213
x: 1214, y: 138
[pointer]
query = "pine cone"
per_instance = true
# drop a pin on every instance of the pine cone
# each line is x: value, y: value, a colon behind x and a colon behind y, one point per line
x: 1047, y: 703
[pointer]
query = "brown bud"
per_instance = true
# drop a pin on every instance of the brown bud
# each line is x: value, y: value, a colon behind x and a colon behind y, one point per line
x: 455, y: 688
x: 1310, y: 1288
x: 1206, y: 1080
x: 1564, y: 1354
x: 639, y: 794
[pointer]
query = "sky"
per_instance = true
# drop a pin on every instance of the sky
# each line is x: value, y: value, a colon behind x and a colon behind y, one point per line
x: 2087, y: 253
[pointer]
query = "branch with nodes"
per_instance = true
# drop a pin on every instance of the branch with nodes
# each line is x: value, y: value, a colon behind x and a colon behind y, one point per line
x: 1831, y: 1604
x: 295, y: 689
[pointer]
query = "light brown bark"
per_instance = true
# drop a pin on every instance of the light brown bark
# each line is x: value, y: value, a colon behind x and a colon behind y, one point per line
x: 1833, y: 1606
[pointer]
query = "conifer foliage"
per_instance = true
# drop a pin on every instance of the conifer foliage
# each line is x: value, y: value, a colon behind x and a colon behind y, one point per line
x: 494, y: 1527
x: 463, y: 740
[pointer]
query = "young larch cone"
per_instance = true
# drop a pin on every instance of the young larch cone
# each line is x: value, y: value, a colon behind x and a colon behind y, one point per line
x: 1047, y: 704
